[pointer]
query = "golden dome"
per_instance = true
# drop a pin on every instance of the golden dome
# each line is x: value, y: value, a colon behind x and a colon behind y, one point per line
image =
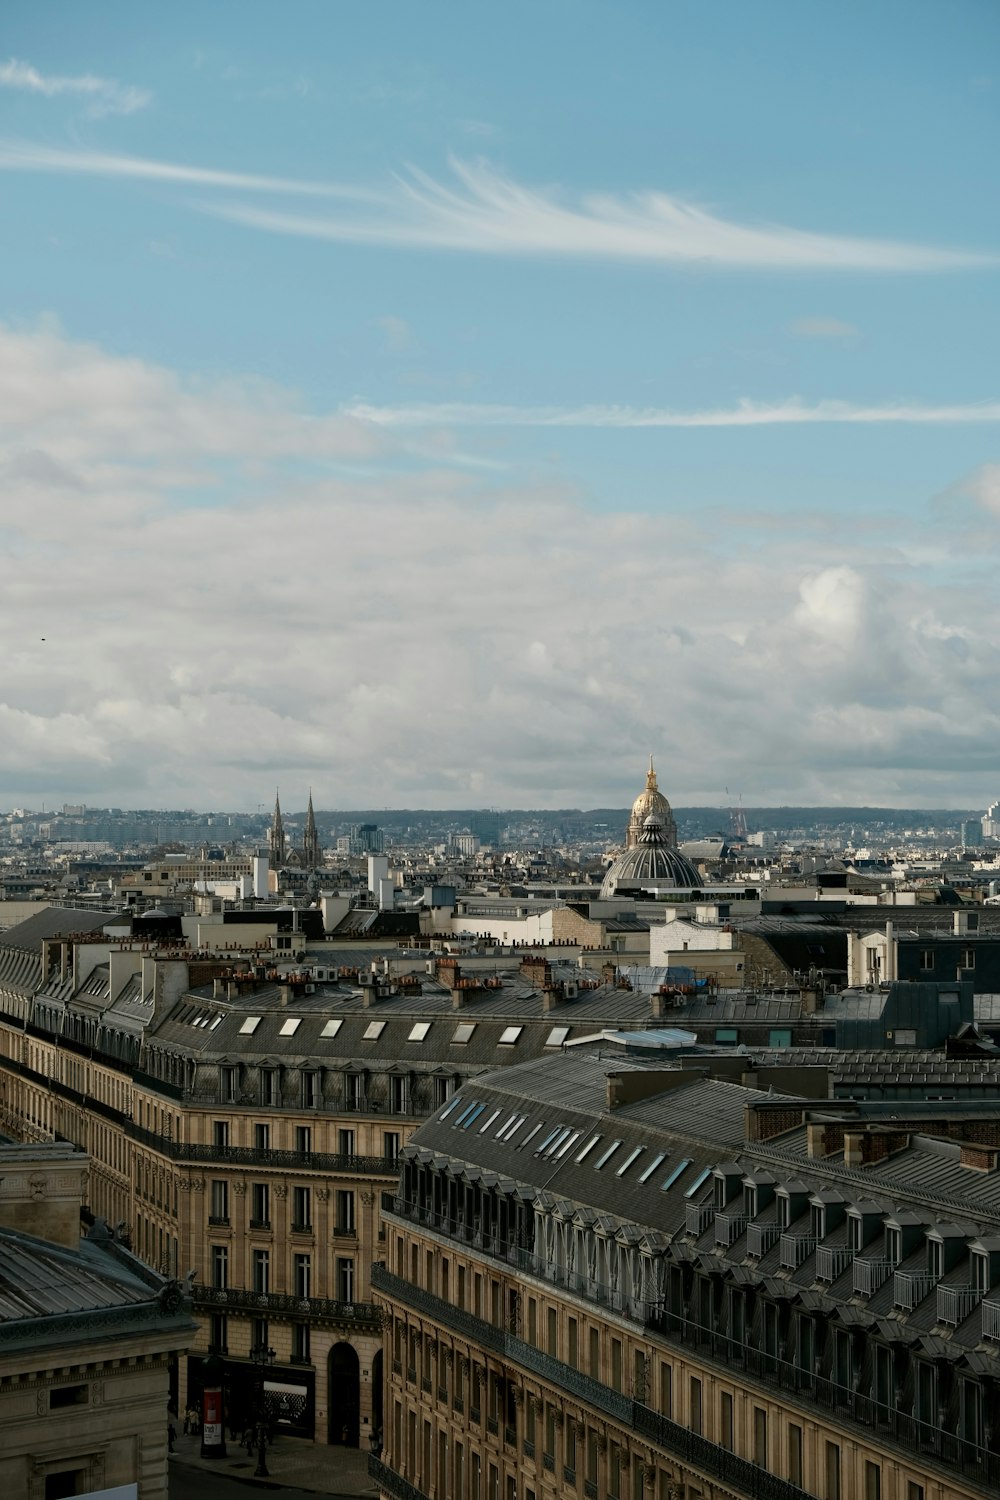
x: 651, y: 803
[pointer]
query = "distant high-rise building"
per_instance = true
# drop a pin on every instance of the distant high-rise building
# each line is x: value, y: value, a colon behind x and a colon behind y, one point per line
x: 972, y: 833
x: 487, y: 825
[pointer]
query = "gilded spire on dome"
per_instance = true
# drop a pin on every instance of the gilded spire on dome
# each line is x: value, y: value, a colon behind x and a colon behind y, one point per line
x: 651, y: 801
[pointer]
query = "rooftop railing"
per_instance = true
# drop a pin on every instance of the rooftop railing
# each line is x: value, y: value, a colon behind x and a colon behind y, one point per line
x: 760, y: 1238
x: 869, y: 1275
x: 955, y: 1303
x: 909, y: 1288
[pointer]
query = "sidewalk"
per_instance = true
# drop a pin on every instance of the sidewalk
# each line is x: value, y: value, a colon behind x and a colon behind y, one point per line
x: 292, y: 1462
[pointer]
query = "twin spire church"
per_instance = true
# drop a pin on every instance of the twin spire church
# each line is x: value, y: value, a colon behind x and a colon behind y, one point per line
x: 309, y: 857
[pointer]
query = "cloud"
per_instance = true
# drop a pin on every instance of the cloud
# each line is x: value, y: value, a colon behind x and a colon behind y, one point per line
x: 745, y: 413
x: 104, y: 96
x: 823, y: 328
x: 482, y: 211
x: 218, y: 614
x: 397, y: 335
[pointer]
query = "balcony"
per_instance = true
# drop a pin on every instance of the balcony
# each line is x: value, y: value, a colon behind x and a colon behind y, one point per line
x: 909, y: 1288
x: 729, y: 1227
x: 392, y: 1483
x: 795, y: 1248
x: 260, y: 1223
x: 832, y: 1261
x: 239, y: 1299
x: 760, y: 1238
x: 955, y: 1303
x: 869, y: 1275
x: 991, y: 1321
x: 697, y: 1217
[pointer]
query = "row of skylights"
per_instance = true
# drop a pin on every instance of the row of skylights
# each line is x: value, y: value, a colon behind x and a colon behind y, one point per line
x: 192, y: 1015
x: 418, y: 1032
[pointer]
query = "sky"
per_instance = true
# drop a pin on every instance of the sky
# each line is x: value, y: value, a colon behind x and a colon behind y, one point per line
x: 442, y: 405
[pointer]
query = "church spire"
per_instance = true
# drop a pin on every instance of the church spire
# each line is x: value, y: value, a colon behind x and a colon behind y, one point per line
x: 310, y: 843
x: 276, y: 841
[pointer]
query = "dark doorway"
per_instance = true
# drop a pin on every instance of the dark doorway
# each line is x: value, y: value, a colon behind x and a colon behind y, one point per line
x: 377, y: 1391
x: 344, y: 1395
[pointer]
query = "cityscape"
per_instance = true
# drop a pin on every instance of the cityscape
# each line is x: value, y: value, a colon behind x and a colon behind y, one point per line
x: 499, y: 777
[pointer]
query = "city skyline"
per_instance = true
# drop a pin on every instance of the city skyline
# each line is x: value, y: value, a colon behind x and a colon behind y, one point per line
x: 454, y: 412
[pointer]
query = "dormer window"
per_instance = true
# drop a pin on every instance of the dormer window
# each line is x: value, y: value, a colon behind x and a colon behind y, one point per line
x: 817, y: 1221
x: 855, y: 1232
x: 782, y: 1211
x: 980, y: 1271
x: 750, y: 1201
x: 935, y: 1258
x: 893, y: 1245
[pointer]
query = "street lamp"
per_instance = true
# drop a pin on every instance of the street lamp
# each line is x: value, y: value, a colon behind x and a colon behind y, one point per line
x: 263, y: 1358
x: 375, y: 1441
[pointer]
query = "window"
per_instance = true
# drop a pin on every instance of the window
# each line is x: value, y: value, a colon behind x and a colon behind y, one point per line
x: 354, y: 1091
x: 260, y: 1206
x: 399, y: 1093
x: 795, y: 1454
x: 345, y: 1142
x: 303, y: 1139
x: 760, y: 1437
x: 261, y: 1271
x: 873, y: 1481
x: 968, y: 958
x: 229, y: 1084
x: 302, y: 1269
x: 301, y: 1208
x: 220, y: 1266
x: 893, y: 1245
x: 290, y: 1026
x: 648, y: 1171
x: 310, y: 1089
x: 444, y: 1087
x: 259, y: 1332
x: 779, y: 1036
x: 68, y: 1395
x: 270, y: 1091
x: 832, y: 1471
x: 557, y: 1036
x: 418, y: 1031
x: 220, y: 1134
x: 300, y: 1343
x: 509, y: 1035
x: 694, y: 1393
x: 345, y: 1278
x: 726, y: 1420
x: 672, y: 1176
x: 726, y: 1035
x: 927, y: 958
x: 390, y: 1144
x: 345, y: 1211
x: 606, y: 1155
x: 249, y: 1026
x: 220, y: 1333
x: 373, y: 1031
x: 463, y: 1033
x: 331, y: 1028
x: 914, y: 1491
x: 261, y: 1137
x: 219, y: 1211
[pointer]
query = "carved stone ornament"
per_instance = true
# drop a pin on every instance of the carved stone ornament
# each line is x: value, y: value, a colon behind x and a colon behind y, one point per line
x: 197, y: 1184
x: 368, y: 1198
x: 281, y: 1190
x: 42, y: 1403
x: 517, y: 1395
x: 602, y: 1442
x: 239, y: 1187
x: 37, y: 1188
x: 323, y: 1194
x: 648, y: 1475
x: 557, y: 1417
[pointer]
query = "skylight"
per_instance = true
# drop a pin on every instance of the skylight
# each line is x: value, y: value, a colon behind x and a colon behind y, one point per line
x: 629, y: 1160
x: 557, y: 1036
x: 648, y: 1171
x: 588, y: 1147
x: 560, y: 1137
x: 483, y: 1128
x: 291, y: 1026
x: 420, y: 1030
x: 547, y: 1141
x: 509, y: 1121
x: 463, y: 1033
x: 471, y: 1119
x: 509, y: 1035
x: 373, y: 1031
x: 452, y: 1104
x: 249, y: 1025
x: 672, y: 1177
x: 607, y: 1155
x: 216, y: 1022
x: 511, y: 1128
x: 531, y: 1135
x: 567, y: 1144
x: 466, y: 1111
x: 331, y: 1028
x: 690, y: 1192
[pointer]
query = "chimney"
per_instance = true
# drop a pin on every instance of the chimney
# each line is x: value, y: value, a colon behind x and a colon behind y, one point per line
x: 369, y: 993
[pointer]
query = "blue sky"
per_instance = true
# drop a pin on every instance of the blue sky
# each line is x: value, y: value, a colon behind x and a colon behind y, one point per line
x: 438, y: 404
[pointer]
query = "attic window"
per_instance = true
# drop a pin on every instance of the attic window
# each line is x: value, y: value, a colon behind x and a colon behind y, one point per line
x: 291, y: 1026
x: 572, y: 1139
x: 452, y: 1104
x: 331, y: 1028
x: 373, y: 1031
x: 648, y: 1171
x: 588, y: 1147
x: 672, y: 1177
x: 557, y: 1036
x: 420, y: 1030
x: 463, y: 1033
x: 629, y: 1160
x: 690, y: 1192
x: 249, y: 1025
x: 606, y: 1156
x: 215, y: 1023
x: 509, y: 1035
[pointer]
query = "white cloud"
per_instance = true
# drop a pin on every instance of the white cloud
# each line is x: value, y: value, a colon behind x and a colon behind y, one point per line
x: 823, y: 328
x: 745, y: 413
x: 103, y: 96
x: 425, y: 637
x: 482, y: 211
